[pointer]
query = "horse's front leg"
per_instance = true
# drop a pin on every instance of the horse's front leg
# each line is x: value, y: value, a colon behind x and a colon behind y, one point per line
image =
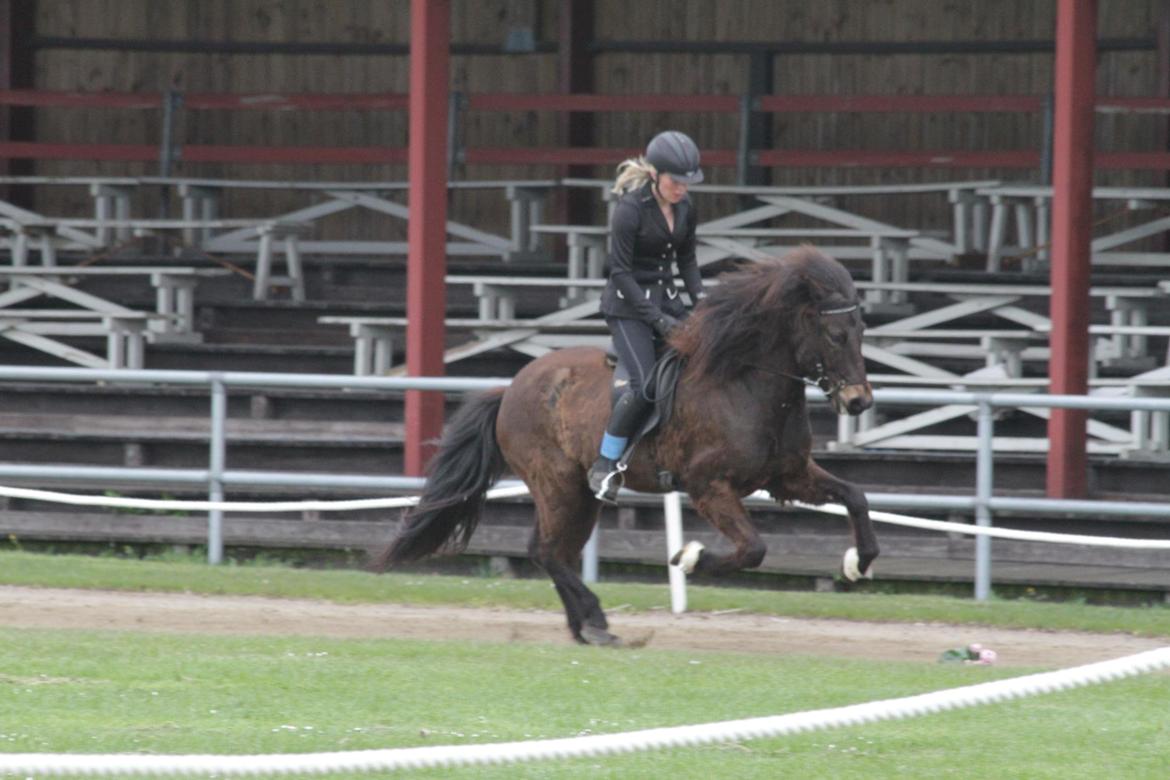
x: 720, y: 506
x: 817, y: 486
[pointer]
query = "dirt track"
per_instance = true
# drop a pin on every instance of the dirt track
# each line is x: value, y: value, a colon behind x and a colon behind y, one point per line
x: 186, y: 613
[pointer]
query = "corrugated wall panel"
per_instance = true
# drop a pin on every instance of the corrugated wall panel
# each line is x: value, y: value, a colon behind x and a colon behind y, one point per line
x: 492, y: 21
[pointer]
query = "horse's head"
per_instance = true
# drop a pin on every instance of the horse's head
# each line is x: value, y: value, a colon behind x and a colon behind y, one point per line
x: 829, y: 352
x: 798, y: 316
x: 828, y: 330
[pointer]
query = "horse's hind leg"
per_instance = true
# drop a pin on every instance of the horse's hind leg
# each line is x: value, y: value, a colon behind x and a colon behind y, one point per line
x: 720, y: 506
x: 565, y: 517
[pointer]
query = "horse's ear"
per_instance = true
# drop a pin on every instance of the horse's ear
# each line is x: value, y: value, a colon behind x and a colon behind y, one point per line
x: 785, y: 289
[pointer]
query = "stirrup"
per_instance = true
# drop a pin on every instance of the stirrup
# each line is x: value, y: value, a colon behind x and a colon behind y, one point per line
x: 604, y: 491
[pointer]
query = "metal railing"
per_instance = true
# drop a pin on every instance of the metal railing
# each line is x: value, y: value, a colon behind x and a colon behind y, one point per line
x: 217, y: 476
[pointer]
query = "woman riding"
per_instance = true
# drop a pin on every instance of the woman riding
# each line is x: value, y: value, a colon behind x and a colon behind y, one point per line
x: 652, y: 226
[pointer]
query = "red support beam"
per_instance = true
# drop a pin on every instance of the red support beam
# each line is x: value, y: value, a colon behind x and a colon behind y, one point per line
x: 426, y: 232
x: 318, y: 155
x: 893, y: 158
x: 576, y: 102
x: 305, y: 100
x: 518, y: 101
x: 715, y: 158
x: 901, y: 104
x: 1072, y: 211
x: 41, y: 98
x: 305, y: 155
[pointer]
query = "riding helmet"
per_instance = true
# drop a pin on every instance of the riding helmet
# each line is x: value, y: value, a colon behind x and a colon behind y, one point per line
x: 675, y: 153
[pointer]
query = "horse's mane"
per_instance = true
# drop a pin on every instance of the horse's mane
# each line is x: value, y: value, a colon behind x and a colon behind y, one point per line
x: 759, y: 309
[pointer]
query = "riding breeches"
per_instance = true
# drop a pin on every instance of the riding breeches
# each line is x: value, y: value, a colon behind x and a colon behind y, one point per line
x: 633, y: 340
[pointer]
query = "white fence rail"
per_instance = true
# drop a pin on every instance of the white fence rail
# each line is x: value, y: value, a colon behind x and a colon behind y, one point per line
x: 217, y: 476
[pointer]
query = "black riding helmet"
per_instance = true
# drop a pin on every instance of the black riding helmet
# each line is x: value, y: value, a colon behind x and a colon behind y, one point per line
x: 675, y: 153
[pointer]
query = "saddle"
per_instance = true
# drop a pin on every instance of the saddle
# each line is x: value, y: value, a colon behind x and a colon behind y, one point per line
x: 659, y: 390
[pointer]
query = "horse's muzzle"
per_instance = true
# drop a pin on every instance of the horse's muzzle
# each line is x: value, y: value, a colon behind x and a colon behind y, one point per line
x: 853, y: 399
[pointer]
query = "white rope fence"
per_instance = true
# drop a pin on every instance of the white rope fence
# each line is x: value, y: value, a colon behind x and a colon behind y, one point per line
x: 342, y: 505
x: 596, y: 745
x: 347, y: 505
x: 999, y: 533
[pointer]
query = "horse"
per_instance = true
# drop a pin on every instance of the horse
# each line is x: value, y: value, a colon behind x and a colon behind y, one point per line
x: 739, y: 424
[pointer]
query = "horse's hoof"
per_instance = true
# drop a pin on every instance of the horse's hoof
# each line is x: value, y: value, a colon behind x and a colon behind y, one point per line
x: 850, y: 567
x: 688, y: 557
x: 592, y: 635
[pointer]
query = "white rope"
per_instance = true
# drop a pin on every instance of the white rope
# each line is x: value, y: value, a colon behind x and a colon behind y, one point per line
x: 1000, y: 533
x: 520, y: 490
x: 597, y: 745
x: 235, y: 506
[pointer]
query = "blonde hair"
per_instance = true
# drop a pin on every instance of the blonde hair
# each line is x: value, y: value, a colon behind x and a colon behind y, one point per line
x: 633, y: 174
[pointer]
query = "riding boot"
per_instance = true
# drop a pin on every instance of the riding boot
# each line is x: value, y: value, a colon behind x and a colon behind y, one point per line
x: 605, y: 475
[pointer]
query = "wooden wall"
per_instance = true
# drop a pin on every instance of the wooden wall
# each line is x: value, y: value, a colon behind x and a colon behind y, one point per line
x: 491, y: 21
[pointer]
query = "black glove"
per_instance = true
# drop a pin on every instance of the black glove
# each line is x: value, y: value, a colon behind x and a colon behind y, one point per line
x: 664, y: 324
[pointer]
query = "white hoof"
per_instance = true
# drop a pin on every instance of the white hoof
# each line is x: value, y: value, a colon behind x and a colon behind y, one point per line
x: 687, y: 558
x: 851, y: 569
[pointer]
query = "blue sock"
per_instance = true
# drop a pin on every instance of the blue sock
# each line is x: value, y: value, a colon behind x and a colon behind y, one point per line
x: 612, y: 446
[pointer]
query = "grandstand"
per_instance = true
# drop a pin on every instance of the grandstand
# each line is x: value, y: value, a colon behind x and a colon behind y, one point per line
x: 266, y: 253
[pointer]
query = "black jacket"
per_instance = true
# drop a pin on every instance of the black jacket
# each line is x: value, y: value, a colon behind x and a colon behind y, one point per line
x: 641, y: 281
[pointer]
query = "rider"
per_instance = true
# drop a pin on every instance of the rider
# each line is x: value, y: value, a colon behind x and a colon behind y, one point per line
x: 653, y: 224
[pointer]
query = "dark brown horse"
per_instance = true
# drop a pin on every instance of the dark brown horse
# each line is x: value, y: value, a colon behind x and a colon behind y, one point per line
x: 739, y: 425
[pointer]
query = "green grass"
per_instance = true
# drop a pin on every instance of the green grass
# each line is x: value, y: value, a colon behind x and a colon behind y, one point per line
x: 88, y: 692
x: 110, y: 692
x: 191, y: 575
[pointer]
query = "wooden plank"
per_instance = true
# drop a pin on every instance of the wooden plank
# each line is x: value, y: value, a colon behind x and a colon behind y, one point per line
x: 551, y: 282
x: 510, y: 337
x: 498, y: 243
x: 847, y: 219
x: 952, y: 443
x: 947, y: 313
x: 112, y: 270
x: 75, y: 314
x: 578, y: 326
x: 909, y: 365
x: 54, y: 347
x: 73, y: 295
x: 905, y: 556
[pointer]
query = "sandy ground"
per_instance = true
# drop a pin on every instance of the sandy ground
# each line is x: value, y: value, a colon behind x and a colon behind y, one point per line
x: 730, y: 632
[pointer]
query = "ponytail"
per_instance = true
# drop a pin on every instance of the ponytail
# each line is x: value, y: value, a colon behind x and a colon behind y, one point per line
x: 633, y: 174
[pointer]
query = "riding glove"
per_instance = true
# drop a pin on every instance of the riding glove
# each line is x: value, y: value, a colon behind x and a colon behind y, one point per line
x: 664, y: 325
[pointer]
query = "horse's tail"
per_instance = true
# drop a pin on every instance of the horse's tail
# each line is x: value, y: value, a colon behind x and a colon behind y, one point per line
x: 467, y: 463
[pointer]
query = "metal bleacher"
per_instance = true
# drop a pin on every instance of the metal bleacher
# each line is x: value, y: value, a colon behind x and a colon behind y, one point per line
x: 931, y: 324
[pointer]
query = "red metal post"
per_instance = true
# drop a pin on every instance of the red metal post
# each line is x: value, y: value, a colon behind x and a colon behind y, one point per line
x: 426, y: 264
x: 1072, y: 206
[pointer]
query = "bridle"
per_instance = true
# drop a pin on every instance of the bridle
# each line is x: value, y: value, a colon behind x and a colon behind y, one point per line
x: 822, y: 381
